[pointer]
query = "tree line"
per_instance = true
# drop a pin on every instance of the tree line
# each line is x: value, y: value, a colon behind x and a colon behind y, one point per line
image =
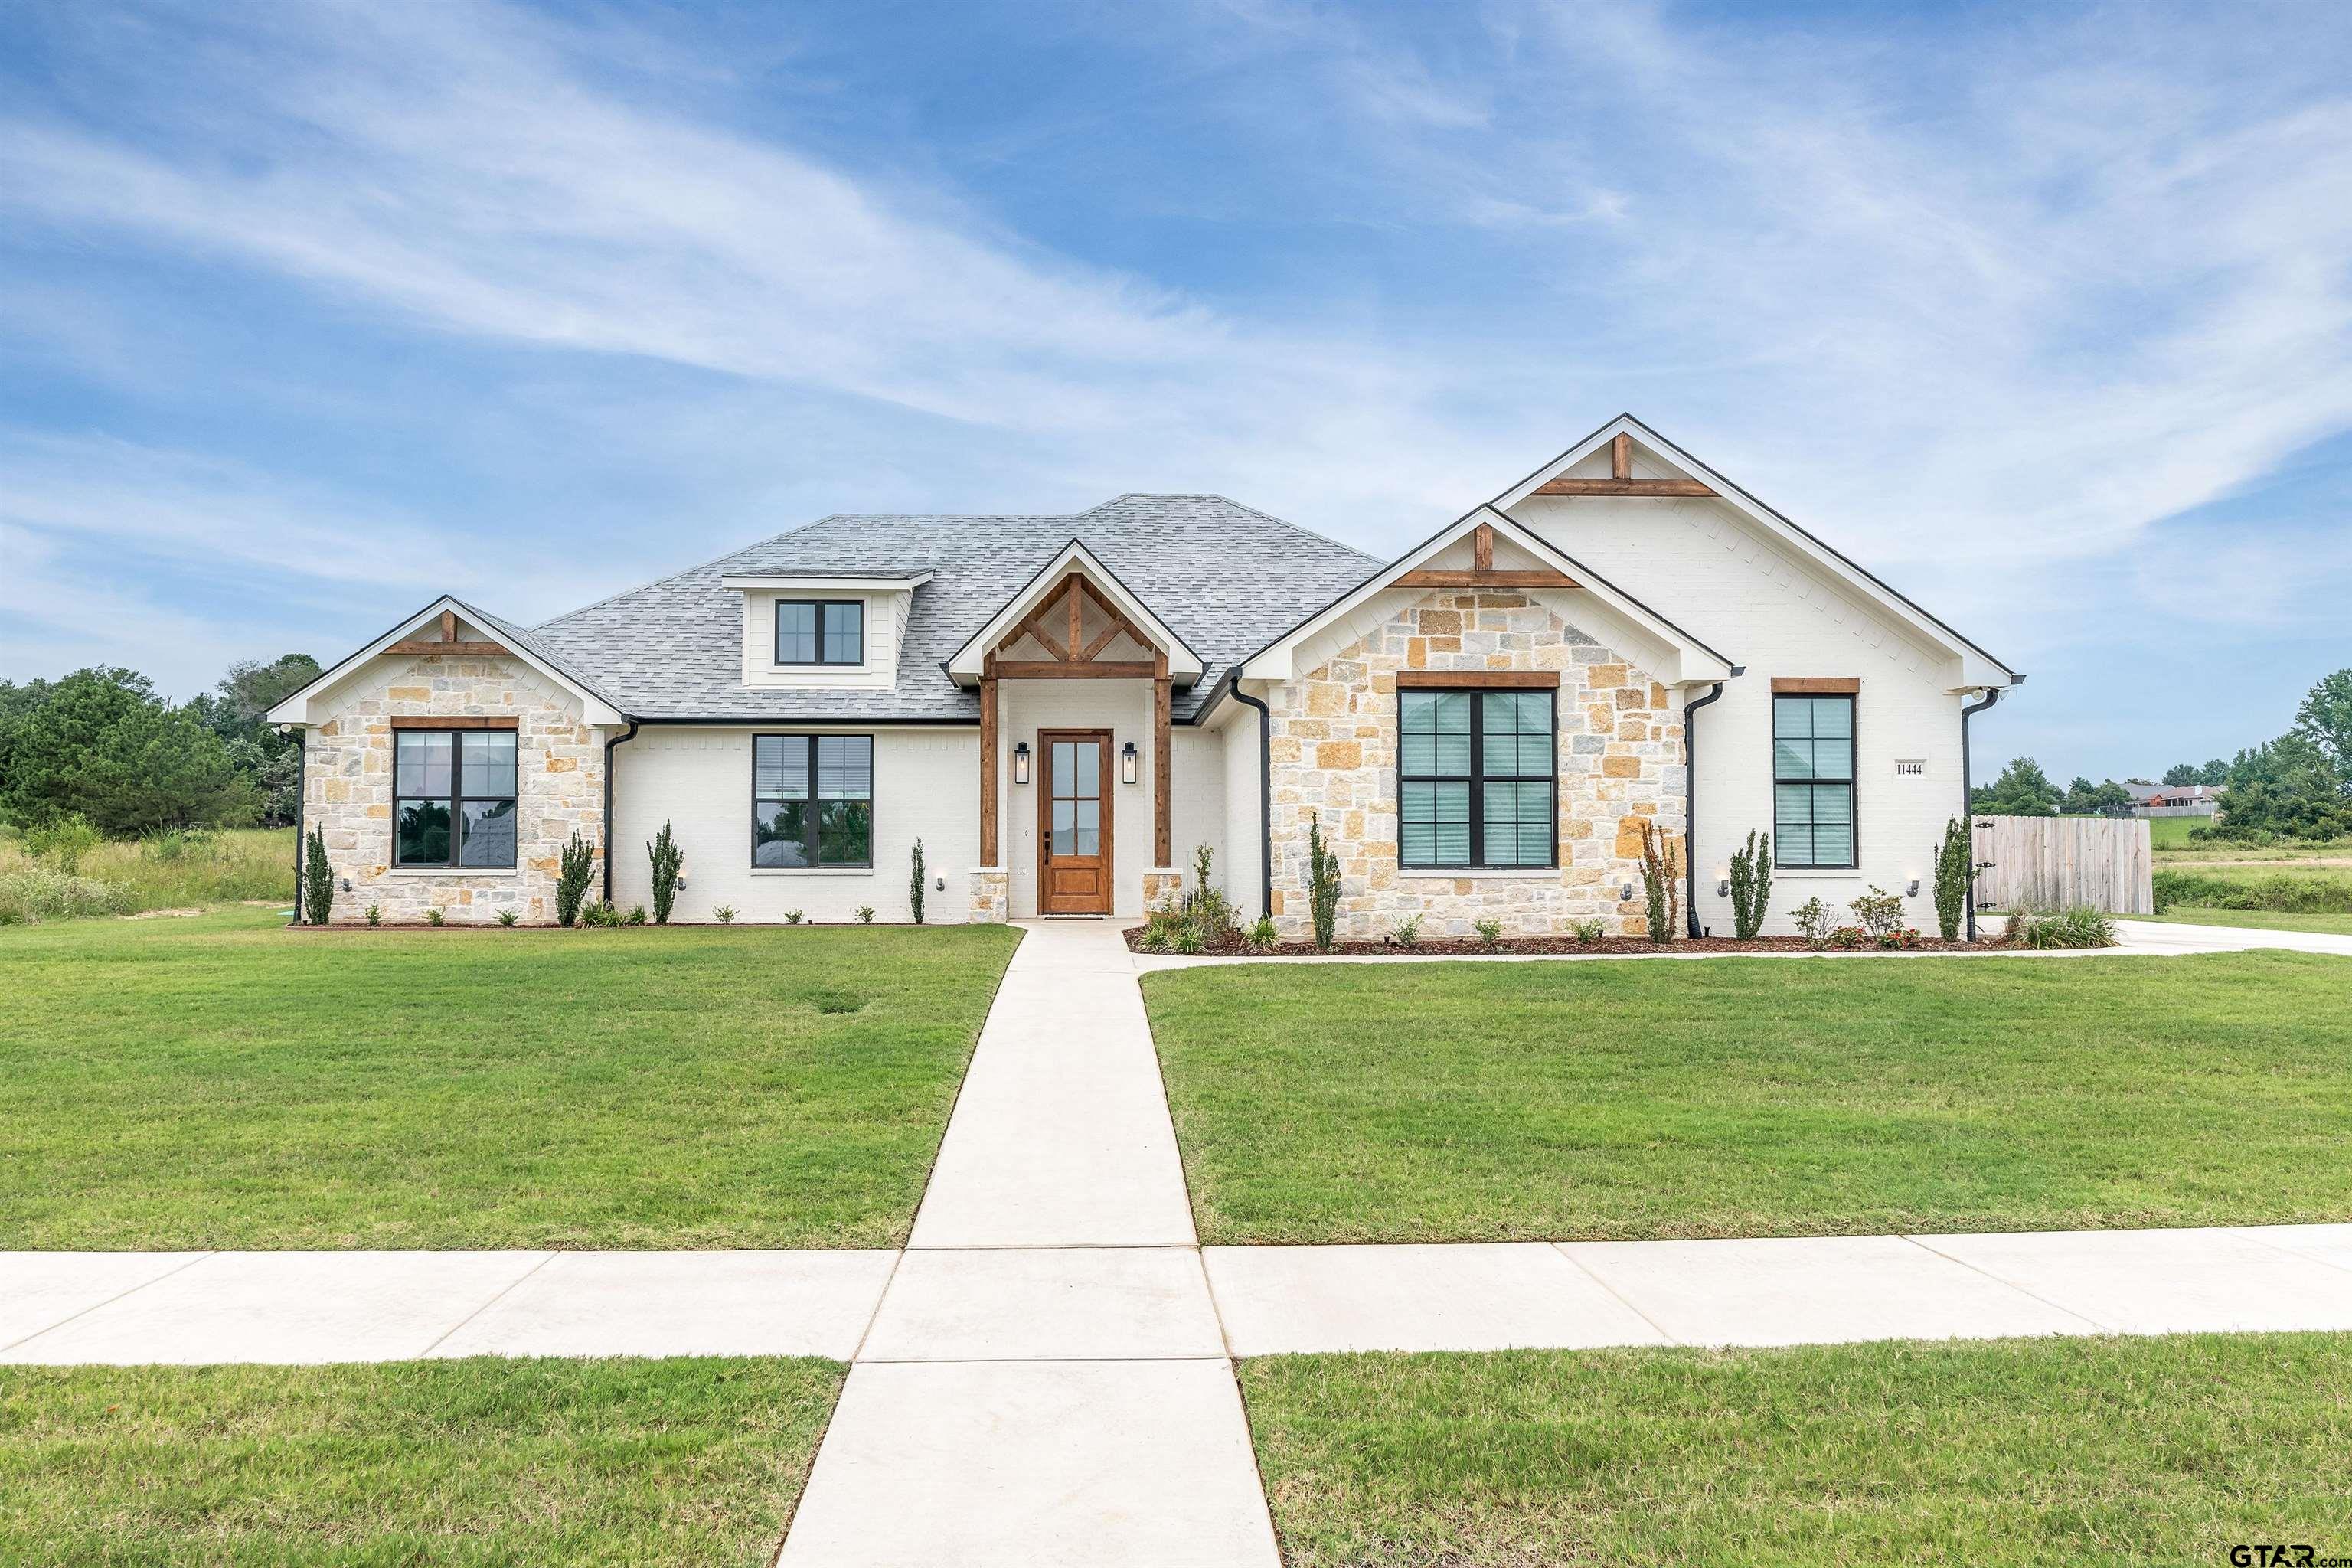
x: 2297, y: 786
x: 103, y: 745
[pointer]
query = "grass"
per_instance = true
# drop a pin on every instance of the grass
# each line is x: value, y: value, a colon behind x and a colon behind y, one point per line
x: 2168, y: 836
x: 2022, y: 1451
x: 1757, y: 1097
x: 448, y: 1463
x: 223, y: 1082
x: 2307, y: 891
x: 168, y: 873
x: 2257, y: 920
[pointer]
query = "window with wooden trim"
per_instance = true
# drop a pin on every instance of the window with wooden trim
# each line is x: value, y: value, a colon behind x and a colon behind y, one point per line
x: 820, y: 631
x: 811, y: 801
x: 1813, y: 779
x: 1476, y: 780
x: 453, y: 798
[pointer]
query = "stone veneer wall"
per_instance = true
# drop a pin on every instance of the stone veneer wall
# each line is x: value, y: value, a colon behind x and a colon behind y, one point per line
x: 991, y: 896
x: 559, y: 777
x: 1332, y: 744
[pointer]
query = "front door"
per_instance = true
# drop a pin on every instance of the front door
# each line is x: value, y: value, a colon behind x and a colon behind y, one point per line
x: 1073, y: 875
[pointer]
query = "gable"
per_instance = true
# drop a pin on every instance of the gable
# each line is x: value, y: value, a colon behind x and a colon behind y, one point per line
x: 447, y: 628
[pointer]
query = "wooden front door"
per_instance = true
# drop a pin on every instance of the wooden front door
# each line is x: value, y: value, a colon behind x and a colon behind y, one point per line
x: 1073, y: 875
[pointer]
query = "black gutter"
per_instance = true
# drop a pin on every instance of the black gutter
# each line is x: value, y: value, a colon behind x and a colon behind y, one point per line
x: 301, y: 800
x: 1690, y: 804
x: 630, y: 734
x: 1265, y: 798
x: 1967, y: 807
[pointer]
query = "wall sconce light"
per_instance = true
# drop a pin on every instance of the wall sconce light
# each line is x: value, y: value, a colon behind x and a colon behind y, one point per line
x: 1914, y: 892
x: 1021, y: 763
x: 1126, y: 763
x: 1624, y: 892
x: 1723, y: 888
x: 940, y: 885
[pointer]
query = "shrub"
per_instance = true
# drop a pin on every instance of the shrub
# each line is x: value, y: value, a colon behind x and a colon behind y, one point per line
x: 38, y: 893
x: 1405, y: 931
x: 174, y: 845
x: 62, y: 842
x: 637, y: 914
x: 2081, y: 926
x: 667, y: 858
x: 435, y: 917
x: 1906, y: 937
x: 1813, y: 923
x: 1589, y: 930
x: 915, y: 884
x: 571, y: 881
x: 1878, y: 911
x: 793, y: 916
x: 1751, y: 886
x: 1322, y: 884
x: 506, y: 917
x: 1262, y: 936
x: 317, y: 881
x: 1187, y: 938
x: 2282, y: 892
x: 1659, y: 884
x: 724, y: 914
x: 1160, y: 929
x: 1847, y: 938
x: 1490, y: 932
x: 1953, y: 872
x: 865, y: 914
x: 375, y: 914
x: 599, y: 912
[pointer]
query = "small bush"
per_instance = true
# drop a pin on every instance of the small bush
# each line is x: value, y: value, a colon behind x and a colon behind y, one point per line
x: 1262, y: 936
x: 375, y: 914
x: 1813, y: 923
x: 1405, y: 931
x: 1906, y: 937
x: 39, y: 893
x: 1877, y: 911
x: 435, y: 917
x: 61, y: 843
x: 599, y: 912
x: 2079, y: 927
x: 636, y: 915
x: 572, y: 882
x: 865, y: 914
x: 793, y: 917
x: 667, y: 859
x: 1953, y: 870
x: 1588, y: 931
x: 506, y: 917
x: 1846, y: 939
x: 317, y: 881
x: 1661, y: 884
x: 724, y: 914
x: 1751, y: 886
x: 1187, y: 938
x: 1490, y: 932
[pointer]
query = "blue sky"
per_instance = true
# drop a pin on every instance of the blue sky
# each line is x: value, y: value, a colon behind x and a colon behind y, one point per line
x: 309, y: 312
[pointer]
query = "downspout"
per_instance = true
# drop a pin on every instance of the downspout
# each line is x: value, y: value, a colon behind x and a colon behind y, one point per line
x: 301, y: 800
x: 1690, y: 804
x: 628, y: 735
x: 1264, y: 800
x: 1968, y: 807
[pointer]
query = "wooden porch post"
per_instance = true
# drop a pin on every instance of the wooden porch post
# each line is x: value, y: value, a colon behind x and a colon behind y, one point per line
x: 1160, y: 845
x: 988, y: 763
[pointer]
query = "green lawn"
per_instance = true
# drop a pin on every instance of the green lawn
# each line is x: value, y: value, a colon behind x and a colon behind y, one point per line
x: 1754, y: 1097
x: 484, y: 1462
x: 2257, y: 920
x: 223, y: 1082
x: 2042, y: 1451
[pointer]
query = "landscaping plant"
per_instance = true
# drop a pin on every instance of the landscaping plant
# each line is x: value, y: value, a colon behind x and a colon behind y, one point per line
x: 1659, y: 884
x: 1813, y: 923
x: 1490, y: 932
x: 865, y: 914
x: 1952, y: 874
x: 1322, y: 884
x: 571, y: 881
x: 2081, y: 926
x: 793, y: 916
x: 1751, y: 886
x: 375, y: 914
x: 667, y: 858
x: 724, y: 914
x: 1204, y: 907
x: 599, y: 912
x: 636, y: 915
x: 1878, y: 911
x: 915, y: 884
x: 318, y: 880
x: 507, y: 917
x: 1589, y: 930
x: 435, y: 917
x: 1262, y: 936
x: 1405, y: 931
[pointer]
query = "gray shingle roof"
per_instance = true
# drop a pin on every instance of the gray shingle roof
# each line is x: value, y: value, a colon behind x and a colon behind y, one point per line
x: 1226, y: 578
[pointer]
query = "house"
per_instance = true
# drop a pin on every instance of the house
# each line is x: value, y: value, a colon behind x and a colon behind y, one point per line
x: 2175, y: 800
x: 1061, y: 709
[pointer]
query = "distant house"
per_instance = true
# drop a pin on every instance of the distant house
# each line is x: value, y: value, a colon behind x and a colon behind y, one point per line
x: 2175, y: 800
x: 1062, y: 708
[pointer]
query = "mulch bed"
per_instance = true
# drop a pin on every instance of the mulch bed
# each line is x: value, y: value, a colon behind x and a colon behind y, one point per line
x: 1450, y: 947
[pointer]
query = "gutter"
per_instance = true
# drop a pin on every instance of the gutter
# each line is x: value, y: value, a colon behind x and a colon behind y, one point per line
x: 1265, y: 796
x: 301, y: 802
x: 1968, y: 808
x: 630, y: 734
x: 1690, y: 803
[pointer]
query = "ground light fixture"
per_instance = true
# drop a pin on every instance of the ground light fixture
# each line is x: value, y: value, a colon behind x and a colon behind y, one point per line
x: 1021, y: 763
x: 1126, y: 763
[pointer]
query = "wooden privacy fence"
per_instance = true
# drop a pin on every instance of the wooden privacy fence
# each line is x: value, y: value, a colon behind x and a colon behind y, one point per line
x: 2053, y: 862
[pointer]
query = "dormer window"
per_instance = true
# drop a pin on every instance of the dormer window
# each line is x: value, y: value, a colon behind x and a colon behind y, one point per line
x: 820, y: 631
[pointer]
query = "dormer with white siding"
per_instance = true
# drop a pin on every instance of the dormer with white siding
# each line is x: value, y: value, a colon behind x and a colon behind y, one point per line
x: 823, y: 632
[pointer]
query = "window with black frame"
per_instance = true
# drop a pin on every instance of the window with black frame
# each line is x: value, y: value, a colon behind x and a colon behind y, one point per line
x: 1813, y: 781
x: 820, y: 631
x: 1477, y: 785
x: 454, y: 798
x: 811, y: 801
